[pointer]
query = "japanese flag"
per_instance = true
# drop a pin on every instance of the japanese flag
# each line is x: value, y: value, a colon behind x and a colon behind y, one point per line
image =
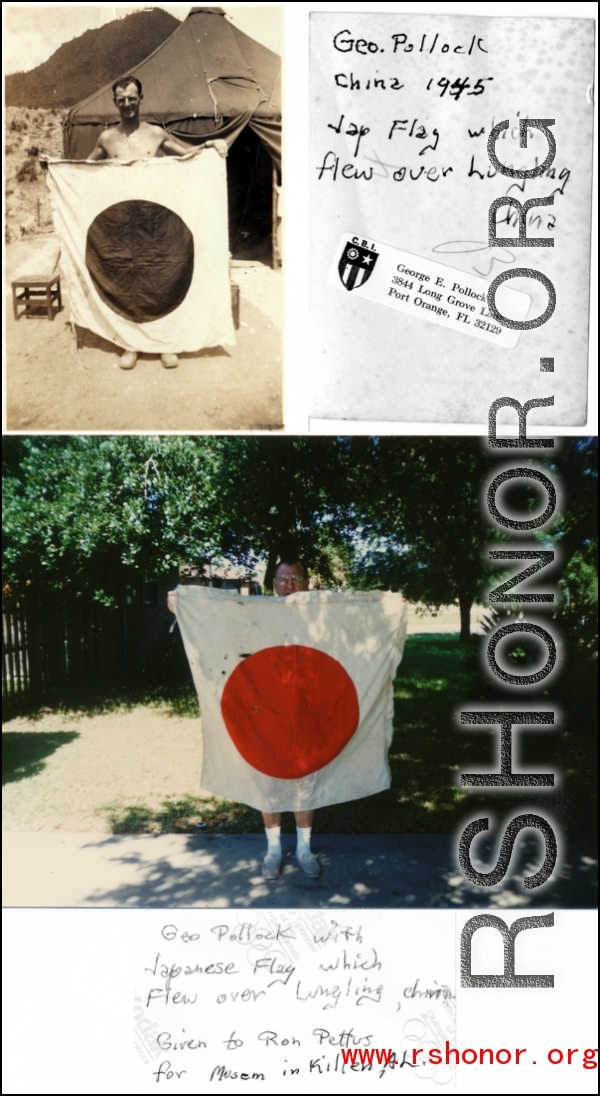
x: 145, y: 249
x: 295, y: 693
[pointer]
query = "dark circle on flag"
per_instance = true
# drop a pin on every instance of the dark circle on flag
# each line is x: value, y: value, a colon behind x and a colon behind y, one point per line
x: 140, y: 256
x: 290, y: 710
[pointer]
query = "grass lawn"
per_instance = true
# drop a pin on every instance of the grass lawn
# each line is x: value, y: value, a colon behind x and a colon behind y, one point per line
x: 437, y: 678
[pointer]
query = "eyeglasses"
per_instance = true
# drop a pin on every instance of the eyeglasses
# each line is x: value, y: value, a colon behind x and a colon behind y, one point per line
x: 291, y: 580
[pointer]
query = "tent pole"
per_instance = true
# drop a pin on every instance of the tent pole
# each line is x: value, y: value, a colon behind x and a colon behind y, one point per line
x: 275, y: 221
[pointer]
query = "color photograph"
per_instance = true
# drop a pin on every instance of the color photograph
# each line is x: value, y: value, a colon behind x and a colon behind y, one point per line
x: 247, y: 672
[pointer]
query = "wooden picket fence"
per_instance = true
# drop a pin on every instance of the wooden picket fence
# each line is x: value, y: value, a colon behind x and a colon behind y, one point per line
x: 42, y: 651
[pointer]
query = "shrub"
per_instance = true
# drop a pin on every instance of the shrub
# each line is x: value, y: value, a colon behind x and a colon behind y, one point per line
x: 27, y: 172
x: 33, y: 150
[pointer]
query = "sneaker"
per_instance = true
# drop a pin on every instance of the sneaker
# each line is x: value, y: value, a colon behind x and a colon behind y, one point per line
x: 169, y: 361
x: 128, y: 360
x: 271, y: 866
x: 309, y: 864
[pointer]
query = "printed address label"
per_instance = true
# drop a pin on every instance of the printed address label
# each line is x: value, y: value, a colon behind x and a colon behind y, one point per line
x: 426, y: 289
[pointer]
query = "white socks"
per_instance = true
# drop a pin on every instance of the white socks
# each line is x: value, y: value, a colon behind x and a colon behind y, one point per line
x: 274, y: 840
x: 303, y: 834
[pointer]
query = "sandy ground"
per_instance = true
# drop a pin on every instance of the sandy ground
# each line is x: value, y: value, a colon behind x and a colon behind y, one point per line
x: 123, y: 759
x: 57, y: 382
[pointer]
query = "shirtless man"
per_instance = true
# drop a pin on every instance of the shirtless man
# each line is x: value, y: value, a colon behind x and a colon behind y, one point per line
x: 136, y: 140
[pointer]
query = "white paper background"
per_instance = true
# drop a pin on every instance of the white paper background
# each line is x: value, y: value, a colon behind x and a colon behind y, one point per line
x: 371, y: 361
x: 70, y: 980
x: 298, y: 335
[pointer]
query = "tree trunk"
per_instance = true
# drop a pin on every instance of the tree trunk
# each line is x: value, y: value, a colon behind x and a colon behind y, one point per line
x: 465, y: 604
x: 270, y: 571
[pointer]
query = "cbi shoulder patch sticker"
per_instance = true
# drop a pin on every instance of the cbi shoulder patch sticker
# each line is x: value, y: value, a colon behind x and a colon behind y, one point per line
x: 357, y: 263
x: 425, y: 289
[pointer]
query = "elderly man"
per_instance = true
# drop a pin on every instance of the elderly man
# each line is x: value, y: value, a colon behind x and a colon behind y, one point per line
x: 136, y: 140
x: 290, y: 577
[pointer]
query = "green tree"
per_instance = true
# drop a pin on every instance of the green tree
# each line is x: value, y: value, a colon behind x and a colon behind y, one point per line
x: 576, y: 539
x: 395, y: 512
x: 288, y: 496
x: 76, y: 509
x: 423, y: 530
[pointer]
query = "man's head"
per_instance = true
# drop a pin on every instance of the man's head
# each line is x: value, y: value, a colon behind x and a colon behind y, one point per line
x: 290, y: 576
x: 127, y: 96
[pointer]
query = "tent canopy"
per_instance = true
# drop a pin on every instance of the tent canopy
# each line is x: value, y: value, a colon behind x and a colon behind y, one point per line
x: 207, y: 80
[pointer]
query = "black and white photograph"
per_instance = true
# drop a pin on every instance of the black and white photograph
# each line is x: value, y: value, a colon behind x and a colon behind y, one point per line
x: 143, y: 218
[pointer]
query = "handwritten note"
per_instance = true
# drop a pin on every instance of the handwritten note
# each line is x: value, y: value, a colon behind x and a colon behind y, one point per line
x: 281, y: 999
x: 402, y: 107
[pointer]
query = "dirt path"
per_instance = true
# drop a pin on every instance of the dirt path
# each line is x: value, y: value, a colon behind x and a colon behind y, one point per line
x: 54, y: 385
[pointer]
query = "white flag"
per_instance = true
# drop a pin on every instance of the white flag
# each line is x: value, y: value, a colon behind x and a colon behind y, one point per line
x: 296, y: 693
x: 145, y: 249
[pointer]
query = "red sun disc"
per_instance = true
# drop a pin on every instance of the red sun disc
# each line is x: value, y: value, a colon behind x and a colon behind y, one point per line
x: 290, y: 710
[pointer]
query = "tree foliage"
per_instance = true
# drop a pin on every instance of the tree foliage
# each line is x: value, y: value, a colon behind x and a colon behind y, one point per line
x: 576, y: 538
x: 401, y: 513
x: 77, y: 509
x: 424, y: 528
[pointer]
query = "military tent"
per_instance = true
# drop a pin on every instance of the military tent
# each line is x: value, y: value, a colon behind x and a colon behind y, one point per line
x: 208, y: 80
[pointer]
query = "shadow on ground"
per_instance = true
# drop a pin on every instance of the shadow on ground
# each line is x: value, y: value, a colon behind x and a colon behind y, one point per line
x: 358, y: 872
x: 24, y: 753
x: 89, y: 340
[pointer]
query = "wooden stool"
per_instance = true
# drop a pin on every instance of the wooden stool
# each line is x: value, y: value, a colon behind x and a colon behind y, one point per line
x: 39, y: 295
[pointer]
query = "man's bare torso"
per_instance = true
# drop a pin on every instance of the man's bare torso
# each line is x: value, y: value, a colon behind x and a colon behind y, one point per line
x: 144, y: 142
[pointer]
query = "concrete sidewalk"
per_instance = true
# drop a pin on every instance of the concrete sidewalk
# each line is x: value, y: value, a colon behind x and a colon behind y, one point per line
x: 92, y: 871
